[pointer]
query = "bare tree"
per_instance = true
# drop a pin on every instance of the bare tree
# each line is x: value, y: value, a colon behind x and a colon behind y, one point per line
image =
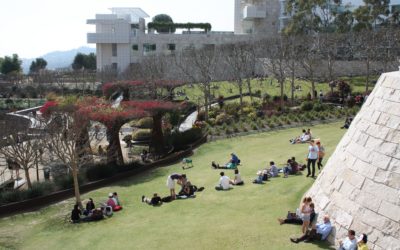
x: 68, y: 141
x: 366, y: 46
x: 276, y: 61
x: 199, y: 66
x: 22, y: 149
x: 310, y: 58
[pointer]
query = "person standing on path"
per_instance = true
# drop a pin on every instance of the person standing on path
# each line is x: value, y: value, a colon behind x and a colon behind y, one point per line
x: 312, y: 158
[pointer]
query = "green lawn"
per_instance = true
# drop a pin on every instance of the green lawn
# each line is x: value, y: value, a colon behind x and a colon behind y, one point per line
x: 242, y: 218
x: 225, y: 88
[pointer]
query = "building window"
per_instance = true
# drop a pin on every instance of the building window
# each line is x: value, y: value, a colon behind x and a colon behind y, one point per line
x: 171, y: 46
x: 114, y: 66
x: 147, y: 47
x: 114, y: 49
x: 135, y: 47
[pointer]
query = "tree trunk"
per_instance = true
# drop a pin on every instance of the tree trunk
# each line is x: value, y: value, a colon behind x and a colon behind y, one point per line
x: 249, y: 88
x: 367, y: 78
x: 281, y: 83
x: 240, y: 93
x: 205, y: 103
x: 76, y: 185
x: 114, y: 152
x: 292, y: 83
x: 157, y: 136
x: 28, y: 178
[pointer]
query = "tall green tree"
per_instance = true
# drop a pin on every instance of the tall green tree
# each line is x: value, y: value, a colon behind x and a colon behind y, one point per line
x: 82, y: 61
x: 37, y: 65
x: 310, y: 16
x: 10, y: 64
x: 371, y: 14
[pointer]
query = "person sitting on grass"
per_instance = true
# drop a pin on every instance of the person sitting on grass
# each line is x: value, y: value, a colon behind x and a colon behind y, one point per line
x: 305, y: 137
x: 362, y: 242
x: 76, y: 214
x: 117, y: 202
x: 261, y: 174
x: 295, y: 218
x: 95, y: 215
x: 154, y: 201
x: 223, y: 182
x: 273, y: 170
x: 350, y: 242
x: 320, y: 232
x: 238, y: 179
x: 89, y: 207
x: 288, y: 169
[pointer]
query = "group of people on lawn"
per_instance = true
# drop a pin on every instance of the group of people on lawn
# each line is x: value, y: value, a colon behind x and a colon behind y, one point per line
x: 305, y: 215
x: 312, y: 231
x: 91, y: 213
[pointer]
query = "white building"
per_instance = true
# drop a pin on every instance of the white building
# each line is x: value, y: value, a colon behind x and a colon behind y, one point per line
x: 121, y: 38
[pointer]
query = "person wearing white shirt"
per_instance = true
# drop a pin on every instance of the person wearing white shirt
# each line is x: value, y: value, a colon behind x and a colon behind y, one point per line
x: 223, y: 182
x: 312, y: 158
x: 350, y: 242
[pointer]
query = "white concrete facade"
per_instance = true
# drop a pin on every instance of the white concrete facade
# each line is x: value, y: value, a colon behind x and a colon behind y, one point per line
x: 360, y: 185
x: 121, y: 39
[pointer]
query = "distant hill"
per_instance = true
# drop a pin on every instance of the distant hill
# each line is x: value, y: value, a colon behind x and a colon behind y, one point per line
x: 58, y: 59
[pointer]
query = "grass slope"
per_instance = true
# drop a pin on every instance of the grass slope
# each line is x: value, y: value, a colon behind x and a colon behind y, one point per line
x: 242, y: 218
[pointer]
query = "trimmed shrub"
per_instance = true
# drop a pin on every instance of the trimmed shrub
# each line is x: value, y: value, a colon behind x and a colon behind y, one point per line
x: 181, y: 140
x: 67, y: 181
x: 307, y: 106
x: 318, y: 107
x: 141, y: 134
x: 223, y: 118
x: 101, y: 171
x: 145, y: 123
x: 11, y: 196
x: 39, y: 189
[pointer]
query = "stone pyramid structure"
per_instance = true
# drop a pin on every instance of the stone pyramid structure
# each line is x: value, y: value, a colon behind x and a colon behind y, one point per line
x: 360, y: 185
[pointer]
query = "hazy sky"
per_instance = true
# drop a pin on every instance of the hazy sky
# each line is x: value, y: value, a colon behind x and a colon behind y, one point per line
x: 32, y: 28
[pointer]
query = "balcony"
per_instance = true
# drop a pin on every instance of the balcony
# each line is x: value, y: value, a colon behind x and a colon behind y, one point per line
x: 108, y: 38
x: 251, y: 12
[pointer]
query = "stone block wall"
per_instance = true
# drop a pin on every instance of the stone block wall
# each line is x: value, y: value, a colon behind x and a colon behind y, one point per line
x: 360, y: 185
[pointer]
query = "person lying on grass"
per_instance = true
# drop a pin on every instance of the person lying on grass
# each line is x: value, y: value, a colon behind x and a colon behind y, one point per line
x: 231, y: 164
x: 154, y: 201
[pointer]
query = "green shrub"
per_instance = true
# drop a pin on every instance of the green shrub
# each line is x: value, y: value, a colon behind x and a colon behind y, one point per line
x: 100, y: 171
x: 39, y: 189
x: 318, y: 107
x: 248, y: 110
x: 307, y: 106
x: 223, y: 118
x: 252, y: 115
x: 146, y: 122
x: 181, y: 139
x: 228, y: 131
x: 11, y: 196
x: 141, y: 134
x: 211, y: 121
x: 235, y: 129
x: 212, y: 113
x: 67, y: 181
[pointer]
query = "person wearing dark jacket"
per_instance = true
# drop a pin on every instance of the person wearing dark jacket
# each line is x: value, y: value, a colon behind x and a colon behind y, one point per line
x: 76, y: 214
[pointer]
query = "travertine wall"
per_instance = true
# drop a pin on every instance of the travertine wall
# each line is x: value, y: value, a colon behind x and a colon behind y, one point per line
x: 360, y: 185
